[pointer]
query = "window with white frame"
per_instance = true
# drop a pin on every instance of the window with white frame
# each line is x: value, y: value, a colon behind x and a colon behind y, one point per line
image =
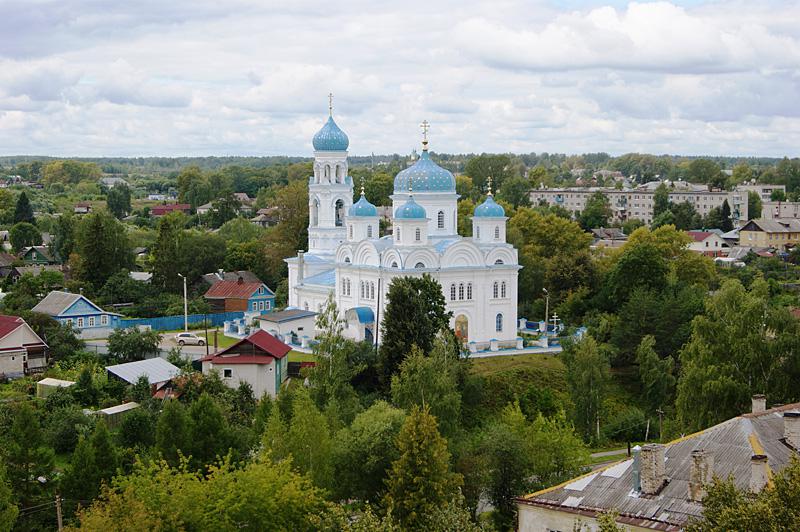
x: 497, y: 232
x: 503, y: 289
x: 255, y: 305
x: 104, y: 319
x: 260, y: 305
x: 460, y: 291
x: 452, y: 292
x: 495, y: 290
x: 397, y: 233
x: 91, y: 321
x: 369, y: 231
x: 417, y: 235
x: 440, y: 220
x: 361, y: 289
x: 498, y: 323
x: 80, y: 322
x: 267, y: 305
x: 351, y: 231
x: 469, y: 290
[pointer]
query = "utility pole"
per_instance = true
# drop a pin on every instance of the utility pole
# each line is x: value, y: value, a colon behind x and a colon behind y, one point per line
x: 546, y: 308
x: 660, y: 416
x: 58, y: 513
x: 185, y: 305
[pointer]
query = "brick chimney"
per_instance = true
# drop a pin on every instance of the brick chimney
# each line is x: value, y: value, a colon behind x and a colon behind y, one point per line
x: 758, y: 472
x: 759, y: 403
x: 653, y: 471
x: 240, y: 280
x: 701, y: 470
x: 791, y: 429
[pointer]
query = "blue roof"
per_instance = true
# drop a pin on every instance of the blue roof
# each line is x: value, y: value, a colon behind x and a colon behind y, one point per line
x: 326, y: 278
x: 410, y: 210
x: 425, y: 176
x: 330, y: 138
x: 489, y: 209
x: 362, y: 208
x: 442, y: 245
x: 365, y: 314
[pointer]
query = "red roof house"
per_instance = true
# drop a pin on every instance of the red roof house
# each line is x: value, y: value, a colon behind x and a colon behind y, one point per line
x: 708, y: 243
x: 22, y: 351
x: 240, y: 296
x: 259, y: 360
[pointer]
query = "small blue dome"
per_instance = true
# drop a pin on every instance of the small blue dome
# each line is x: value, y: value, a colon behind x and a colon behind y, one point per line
x: 425, y: 176
x: 330, y: 138
x: 362, y: 208
x: 489, y: 209
x: 410, y: 210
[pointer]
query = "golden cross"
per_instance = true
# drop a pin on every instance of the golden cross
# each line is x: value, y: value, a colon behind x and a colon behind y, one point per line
x: 425, y: 127
x: 330, y: 103
x: 489, y: 180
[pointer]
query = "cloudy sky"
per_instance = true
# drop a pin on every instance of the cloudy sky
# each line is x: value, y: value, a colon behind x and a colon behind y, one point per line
x: 251, y: 77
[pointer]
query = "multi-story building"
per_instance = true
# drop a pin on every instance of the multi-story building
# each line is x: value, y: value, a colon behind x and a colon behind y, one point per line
x: 778, y: 234
x: 780, y: 210
x: 637, y: 203
x: 763, y: 190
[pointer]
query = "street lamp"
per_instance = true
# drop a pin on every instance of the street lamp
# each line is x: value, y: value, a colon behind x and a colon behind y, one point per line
x: 185, y: 305
x: 546, y: 308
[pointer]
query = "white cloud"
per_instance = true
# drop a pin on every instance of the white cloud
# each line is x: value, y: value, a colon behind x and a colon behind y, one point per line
x: 147, y: 77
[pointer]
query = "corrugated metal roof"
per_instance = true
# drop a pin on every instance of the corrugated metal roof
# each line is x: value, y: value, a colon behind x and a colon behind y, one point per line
x: 155, y: 369
x: 729, y: 442
x: 233, y: 290
x: 124, y: 407
x: 326, y: 278
x: 287, y: 315
x: 55, y: 302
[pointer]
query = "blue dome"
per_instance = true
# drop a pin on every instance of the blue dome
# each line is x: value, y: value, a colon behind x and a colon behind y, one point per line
x: 330, y: 138
x: 489, y: 209
x: 410, y: 210
x: 362, y: 208
x: 425, y: 176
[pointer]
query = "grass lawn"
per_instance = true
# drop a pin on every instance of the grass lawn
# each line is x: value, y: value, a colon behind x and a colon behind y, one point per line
x: 297, y: 356
x: 489, y: 366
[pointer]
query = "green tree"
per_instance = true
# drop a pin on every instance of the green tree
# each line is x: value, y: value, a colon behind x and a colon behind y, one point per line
x: 27, y: 456
x: 8, y: 508
x: 64, y: 236
x: 432, y: 381
x: 137, y: 429
x: 660, y: 200
x: 484, y: 166
x: 706, y: 171
x: 224, y: 209
x: 664, y: 219
x: 686, y: 216
x: 655, y: 374
x: 378, y: 188
x: 516, y: 190
x: 106, y: 459
x: 725, y: 211
x: 104, y: 248
x: 420, y: 480
x: 118, y: 199
x: 165, y: 254
x: 415, y: 312
x: 775, y: 508
x: 596, y: 212
x: 777, y: 195
x: 363, y: 452
x: 129, y: 345
x: 84, y: 391
x: 208, y: 432
x: 23, y: 212
x: 740, y: 346
x: 588, y: 377
x: 741, y: 173
x: 24, y: 234
x: 753, y: 205
x: 193, y: 187
x: 638, y: 266
x: 239, y: 230
x: 172, y: 432
x: 309, y: 440
x: 81, y: 479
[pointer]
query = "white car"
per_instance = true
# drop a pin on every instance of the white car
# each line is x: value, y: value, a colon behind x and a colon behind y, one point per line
x: 189, y: 339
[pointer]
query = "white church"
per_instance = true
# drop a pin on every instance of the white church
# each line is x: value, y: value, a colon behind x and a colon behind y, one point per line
x: 347, y: 256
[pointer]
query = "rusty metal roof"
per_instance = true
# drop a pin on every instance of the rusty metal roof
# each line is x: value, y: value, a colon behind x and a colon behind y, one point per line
x: 732, y: 444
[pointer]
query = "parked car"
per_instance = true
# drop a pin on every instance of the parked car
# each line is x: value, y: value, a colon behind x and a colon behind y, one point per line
x: 189, y: 339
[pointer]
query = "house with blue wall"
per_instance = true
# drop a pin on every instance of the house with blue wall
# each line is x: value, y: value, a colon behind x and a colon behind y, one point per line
x: 240, y: 295
x: 88, y: 319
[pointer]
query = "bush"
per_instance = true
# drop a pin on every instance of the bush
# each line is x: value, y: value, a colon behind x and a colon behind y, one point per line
x: 64, y: 426
x: 627, y: 425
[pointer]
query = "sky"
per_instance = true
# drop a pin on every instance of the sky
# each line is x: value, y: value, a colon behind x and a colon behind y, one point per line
x: 251, y: 77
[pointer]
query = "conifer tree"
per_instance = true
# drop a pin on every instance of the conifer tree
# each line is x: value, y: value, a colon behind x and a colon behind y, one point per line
x: 8, y: 509
x: 208, y: 431
x: 309, y: 440
x: 27, y: 457
x: 80, y: 481
x: 23, y: 211
x: 104, y: 452
x: 172, y: 432
x: 420, y: 481
x: 275, y: 439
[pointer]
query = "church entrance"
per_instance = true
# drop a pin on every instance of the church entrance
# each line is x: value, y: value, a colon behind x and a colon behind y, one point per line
x: 462, y: 328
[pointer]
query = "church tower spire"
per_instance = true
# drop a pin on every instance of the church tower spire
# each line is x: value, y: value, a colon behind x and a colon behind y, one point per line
x: 330, y: 189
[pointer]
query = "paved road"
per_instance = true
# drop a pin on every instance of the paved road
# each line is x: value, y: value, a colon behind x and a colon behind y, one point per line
x: 610, y: 453
x: 167, y: 343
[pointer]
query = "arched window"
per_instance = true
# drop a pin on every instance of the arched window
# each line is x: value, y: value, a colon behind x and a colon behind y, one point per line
x: 397, y: 233
x: 419, y: 266
x: 503, y: 289
x: 394, y: 264
x: 351, y: 231
x: 452, y: 292
x: 469, y: 290
x: 495, y: 290
x: 496, y: 232
x: 498, y: 323
x: 305, y: 305
x: 499, y: 261
x: 369, y: 231
x: 347, y: 260
x: 372, y: 290
x: 461, y: 291
x: 440, y: 220
x: 417, y: 234
x: 478, y: 232
x: 339, y: 212
x: 343, y: 287
x: 361, y: 289
x: 314, y: 212
x: 328, y: 171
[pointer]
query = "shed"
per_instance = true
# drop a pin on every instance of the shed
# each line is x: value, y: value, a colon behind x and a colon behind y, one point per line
x: 289, y: 324
x: 47, y: 386
x: 114, y: 414
x: 157, y: 370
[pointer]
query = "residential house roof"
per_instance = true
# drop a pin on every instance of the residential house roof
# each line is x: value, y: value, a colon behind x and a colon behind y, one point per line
x: 238, y: 289
x: 612, y: 233
x: 7, y: 259
x: 124, y: 407
x: 36, y: 269
x: 264, y: 341
x: 243, y: 198
x: 56, y: 302
x: 287, y: 315
x: 42, y: 250
x: 248, y: 277
x: 772, y: 226
x: 732, y: 444
x: 159, y: 210
x: 9, y: 324
x: 699, y: 236
x: 155, y: 369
